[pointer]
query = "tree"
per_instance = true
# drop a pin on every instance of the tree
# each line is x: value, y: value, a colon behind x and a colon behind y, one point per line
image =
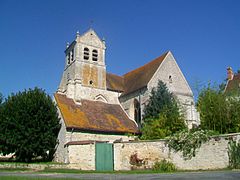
x: 162, y: 115
x: 29, y: 125
x: 218, y: 111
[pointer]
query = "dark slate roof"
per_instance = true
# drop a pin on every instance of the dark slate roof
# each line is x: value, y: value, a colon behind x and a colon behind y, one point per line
x: 136, y: 79
x: 95, y: 116
x: 234, y: 84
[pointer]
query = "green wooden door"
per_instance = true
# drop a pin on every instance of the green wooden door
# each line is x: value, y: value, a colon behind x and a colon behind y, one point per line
x: 104, y: 157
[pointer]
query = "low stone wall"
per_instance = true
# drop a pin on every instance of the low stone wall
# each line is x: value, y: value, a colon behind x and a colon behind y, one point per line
x: 211, y: 155
x: 82, y: 156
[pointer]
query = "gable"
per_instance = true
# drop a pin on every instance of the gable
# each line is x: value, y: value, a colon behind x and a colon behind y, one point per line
x: 149, y: 74
x: 91, y: 38
x: 94, y: 116
x: 170, y: 73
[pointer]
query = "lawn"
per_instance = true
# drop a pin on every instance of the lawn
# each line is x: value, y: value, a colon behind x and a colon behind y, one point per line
x: 30, y: 178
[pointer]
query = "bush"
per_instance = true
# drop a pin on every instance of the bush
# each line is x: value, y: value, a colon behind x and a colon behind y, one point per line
x: 218, y: 111
x: 234, y: 154
x: 164, y: 166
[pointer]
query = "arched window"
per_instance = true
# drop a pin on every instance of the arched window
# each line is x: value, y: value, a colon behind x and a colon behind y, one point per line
x: 94, y: 55
x: 137, y: 112
x: 86, y: 53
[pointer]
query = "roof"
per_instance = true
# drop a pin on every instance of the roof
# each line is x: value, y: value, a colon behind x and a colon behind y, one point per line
x: 140, y: 77
x: 136, y: 79
x: 94, y: 116
x: 115, y: 82
x: 234, y: 84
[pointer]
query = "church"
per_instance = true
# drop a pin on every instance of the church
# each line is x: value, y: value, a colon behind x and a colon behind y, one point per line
x: 97, y: 106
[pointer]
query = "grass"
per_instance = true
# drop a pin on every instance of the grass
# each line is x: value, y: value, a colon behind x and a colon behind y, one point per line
x: 14, y: 169
x: 31, y: 178
x: 75, y: 171
x: 148, y: 171
x: 37, y: 162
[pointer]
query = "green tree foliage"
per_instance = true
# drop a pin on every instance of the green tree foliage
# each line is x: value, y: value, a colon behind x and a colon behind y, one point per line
x: 218, y: 111
x: 29, y: 125
x: 162, y: 115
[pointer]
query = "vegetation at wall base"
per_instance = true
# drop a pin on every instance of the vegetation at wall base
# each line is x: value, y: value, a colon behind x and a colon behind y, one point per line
x: 234, y: 154
x: 162, y: 116
x: 164, y: 166
x: 29, y: 126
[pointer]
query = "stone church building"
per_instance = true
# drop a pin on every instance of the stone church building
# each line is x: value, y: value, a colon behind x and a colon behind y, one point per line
x: 96, y: 106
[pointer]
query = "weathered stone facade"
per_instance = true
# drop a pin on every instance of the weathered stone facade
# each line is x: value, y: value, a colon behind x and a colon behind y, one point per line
x: 84, y: 67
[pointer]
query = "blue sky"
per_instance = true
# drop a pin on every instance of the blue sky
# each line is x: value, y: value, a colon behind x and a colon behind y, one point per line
x: 204, y: 37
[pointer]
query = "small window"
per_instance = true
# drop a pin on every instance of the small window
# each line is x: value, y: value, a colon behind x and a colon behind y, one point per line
x: 94, y: 55
x: 170, y: 79
x: 86, y: 53
x: 68, y: 58
x: 91, y: 82
x: 72, y: 55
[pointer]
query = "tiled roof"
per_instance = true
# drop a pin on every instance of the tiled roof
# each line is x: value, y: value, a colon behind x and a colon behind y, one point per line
x: 234, y: 84
x: 140, y: 77
x: 94, y: 116
x: 136, y: 79
x: 115, y: 82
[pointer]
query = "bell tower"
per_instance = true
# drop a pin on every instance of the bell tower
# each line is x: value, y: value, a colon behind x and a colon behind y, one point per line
x: 84, y: 65
x: 92, y: 57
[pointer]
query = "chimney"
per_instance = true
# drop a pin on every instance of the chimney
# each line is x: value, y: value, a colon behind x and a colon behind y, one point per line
x: 230, y: 73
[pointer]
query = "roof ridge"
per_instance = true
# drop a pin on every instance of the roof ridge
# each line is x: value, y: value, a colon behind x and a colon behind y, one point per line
x: 114, y: 74
x: 156, y: 59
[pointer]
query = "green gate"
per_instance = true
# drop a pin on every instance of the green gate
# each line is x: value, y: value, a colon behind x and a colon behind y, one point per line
x: 104, y: 157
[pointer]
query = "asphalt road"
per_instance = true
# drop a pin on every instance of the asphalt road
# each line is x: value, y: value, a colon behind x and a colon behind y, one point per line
x: 219, y: 175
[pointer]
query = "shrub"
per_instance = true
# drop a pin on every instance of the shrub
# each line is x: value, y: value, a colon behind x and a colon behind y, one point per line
x: 234, y: 154
x: 219, y: 111
x: 164, y: 166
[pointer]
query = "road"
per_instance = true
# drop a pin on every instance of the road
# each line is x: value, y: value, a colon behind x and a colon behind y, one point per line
x: 219, y: 175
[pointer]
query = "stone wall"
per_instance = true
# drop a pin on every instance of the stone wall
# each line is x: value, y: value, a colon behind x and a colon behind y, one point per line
x: 211, y: 155
x: 127, y: 101
x: 82, y: 156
